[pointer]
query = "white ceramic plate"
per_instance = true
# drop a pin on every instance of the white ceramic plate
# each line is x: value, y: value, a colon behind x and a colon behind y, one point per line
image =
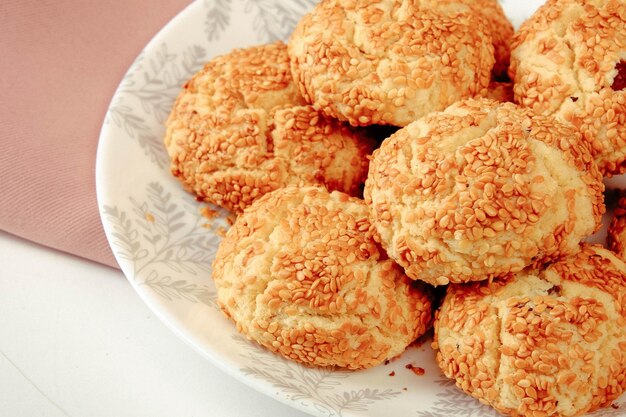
x: 156, y: 230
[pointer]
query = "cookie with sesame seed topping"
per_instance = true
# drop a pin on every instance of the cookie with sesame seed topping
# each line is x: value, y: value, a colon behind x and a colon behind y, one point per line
x: 541, y: 342
x: 389, y: 61
x: 240, y: 129
x: 482, y: 189
x: 569, y: 60
x: 301, y: 272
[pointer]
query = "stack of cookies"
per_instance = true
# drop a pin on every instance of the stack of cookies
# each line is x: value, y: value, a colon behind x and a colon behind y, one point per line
x: 340, y: 239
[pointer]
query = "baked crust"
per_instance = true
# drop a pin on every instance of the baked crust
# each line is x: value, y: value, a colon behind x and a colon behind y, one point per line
x: 301, y: 272
x: 546, y: 342
x: 240, y: 129
x: 389, y: 62
x: 480, y: 190
x: 567, y: 60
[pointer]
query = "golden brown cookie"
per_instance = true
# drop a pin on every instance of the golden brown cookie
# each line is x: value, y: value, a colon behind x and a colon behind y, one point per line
x: 240, y: 129
x: 569, y: 60
x: 480, y: 190
x: 301, y: 273
x: 388, y: 61
x: 549, y: 342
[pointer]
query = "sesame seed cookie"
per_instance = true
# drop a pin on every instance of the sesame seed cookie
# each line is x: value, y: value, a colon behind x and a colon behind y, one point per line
x: 301, y: 273
x: 480, y: 190
x: 549, y: 342
x: 240, y: 129
x: 387, y: 61
x: 616, y: 232
x: 569, y: 60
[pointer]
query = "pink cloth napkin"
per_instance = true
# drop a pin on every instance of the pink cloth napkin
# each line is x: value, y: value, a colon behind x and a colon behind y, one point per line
x: 60, y: 62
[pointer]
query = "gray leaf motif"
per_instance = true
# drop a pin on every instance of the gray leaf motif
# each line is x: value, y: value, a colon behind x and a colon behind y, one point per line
x: 157, y: 81
x: 137, y: 128
x: 316, y: 386
x: 179, y: 289
x: 276, y: 19
x: 217, y: 18
x: 159, y: 234
x: 452, y: 402
x: 152, y: 85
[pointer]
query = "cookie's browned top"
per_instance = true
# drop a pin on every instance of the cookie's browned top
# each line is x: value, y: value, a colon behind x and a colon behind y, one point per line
x: 388, y: 61
x: 302, y: 273
x: 478, y: 189
x: 240, y: 129
x: 540, y: 342
x: 567, y: 61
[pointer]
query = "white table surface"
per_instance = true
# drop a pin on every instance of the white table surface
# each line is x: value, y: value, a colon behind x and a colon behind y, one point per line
x: 75, y: 340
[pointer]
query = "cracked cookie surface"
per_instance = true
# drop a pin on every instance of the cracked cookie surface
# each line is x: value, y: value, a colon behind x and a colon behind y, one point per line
x: 546, y: 342
x: 569, y: 60
x: 390, y: 61
x: 240, y: 129
x: 302, y: 273
x: 482, y: 189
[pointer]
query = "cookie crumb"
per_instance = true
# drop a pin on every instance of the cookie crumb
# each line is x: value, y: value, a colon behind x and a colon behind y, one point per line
x: 417, y: 370
x: 208, y: 213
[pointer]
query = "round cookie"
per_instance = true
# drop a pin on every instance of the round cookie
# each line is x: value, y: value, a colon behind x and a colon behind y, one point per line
x: 240, y: 129
x: 480, y: 190
x: 301, y: 273
x: 389, y: 62
x: 549, y: 342
x: 616, y: 232
x: 569, y: 60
